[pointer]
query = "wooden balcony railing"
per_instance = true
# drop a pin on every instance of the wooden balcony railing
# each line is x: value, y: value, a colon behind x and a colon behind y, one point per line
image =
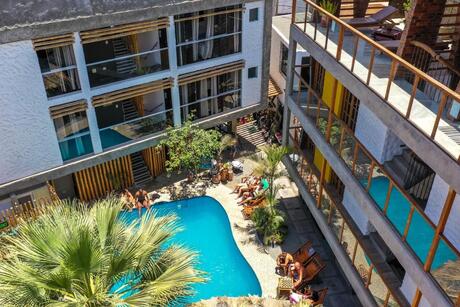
x: 307, y: 20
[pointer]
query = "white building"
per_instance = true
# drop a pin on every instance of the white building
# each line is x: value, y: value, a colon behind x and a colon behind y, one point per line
x: 102, y: 84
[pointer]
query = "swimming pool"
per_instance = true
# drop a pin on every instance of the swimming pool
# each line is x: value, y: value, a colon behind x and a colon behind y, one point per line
x: 420, y: 235
x: 207, y: 231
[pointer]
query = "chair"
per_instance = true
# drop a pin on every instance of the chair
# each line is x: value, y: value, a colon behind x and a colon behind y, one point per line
x: 374, y: 19
x: 303, y: 253
x: 322, y: 296
x: 312, y: 268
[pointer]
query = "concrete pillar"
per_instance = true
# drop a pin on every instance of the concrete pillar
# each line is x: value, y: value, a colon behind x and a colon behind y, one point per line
x: 172, y: 56
x: 86, y: 90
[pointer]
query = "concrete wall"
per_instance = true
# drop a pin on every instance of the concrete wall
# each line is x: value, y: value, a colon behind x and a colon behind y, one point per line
x: 275, y: 60
x: 408, y: 288
x: 252, y: 48
x: 355, y: 211
x: 28, y: 142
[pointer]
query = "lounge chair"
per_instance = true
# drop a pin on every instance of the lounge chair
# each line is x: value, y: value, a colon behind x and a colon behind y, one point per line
x: 374, y: 19
x: 303, y: 253
x: 249, y: 209
x: 312, y: 267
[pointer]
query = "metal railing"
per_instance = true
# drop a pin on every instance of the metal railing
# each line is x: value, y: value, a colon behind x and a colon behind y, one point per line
x: 308, y: 21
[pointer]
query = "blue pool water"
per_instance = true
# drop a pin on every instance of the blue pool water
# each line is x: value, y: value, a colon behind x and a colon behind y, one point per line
x: 207, y: 231
x: 420, y: 235
x: 111, y: 138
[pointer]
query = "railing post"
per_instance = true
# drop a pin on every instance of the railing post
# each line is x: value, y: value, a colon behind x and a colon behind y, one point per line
x: 294, y: 11
x: 412, y: 96
x: 340, y: 42
x: 442, y: 104
x: 371, y: 65
x: 390, y: 78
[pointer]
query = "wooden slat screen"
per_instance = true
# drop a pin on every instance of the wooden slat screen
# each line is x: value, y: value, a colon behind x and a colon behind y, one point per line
x: 91, y: 36
x: 68, y: 108
x: 273, y: 89
x: 211, y: 72
x: 132, y: 92
x: 99, y: 180
x: 53, y: 41
x: 155, y: 158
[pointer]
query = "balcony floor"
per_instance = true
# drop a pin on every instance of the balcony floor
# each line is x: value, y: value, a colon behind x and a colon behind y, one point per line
x: 424, y: 108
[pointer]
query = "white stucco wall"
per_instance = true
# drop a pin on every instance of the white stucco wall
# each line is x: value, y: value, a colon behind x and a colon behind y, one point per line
x: 434, y: 207
x: 283, y: 7
x: 252, y: 48
x: 28, y: 142
x: 355, y: 211
x: 275, y: 59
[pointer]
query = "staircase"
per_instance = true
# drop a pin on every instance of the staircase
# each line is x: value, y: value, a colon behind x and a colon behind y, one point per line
x: 410, y: 172
x: 129, y: 110
x: 141, y: 173
x: 120, y: 49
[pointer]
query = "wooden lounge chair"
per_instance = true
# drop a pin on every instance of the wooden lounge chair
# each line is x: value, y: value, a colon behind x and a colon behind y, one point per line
x: 249, y: 209
x: 374, y: 19
x: 303, y: 253
x: 313, y: 266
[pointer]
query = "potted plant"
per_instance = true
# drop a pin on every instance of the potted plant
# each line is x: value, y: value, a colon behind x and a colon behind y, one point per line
x: 329, y: 6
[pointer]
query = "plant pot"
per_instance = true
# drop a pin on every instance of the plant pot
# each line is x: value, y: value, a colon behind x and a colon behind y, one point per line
x: 230, y: 175
x: 215, y: 178
x: 224, y: 175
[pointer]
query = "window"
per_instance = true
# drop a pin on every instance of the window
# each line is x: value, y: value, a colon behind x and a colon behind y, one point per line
x: 213, y: 35
x: 350, y: 107
x: 284, y: 60
x: 210, y: 96
x: 252, y: 72
x: 73, y: 135
x: 318, y: 73
x: 120, y: 58
x: 59, y: 70
x: 253, y: 14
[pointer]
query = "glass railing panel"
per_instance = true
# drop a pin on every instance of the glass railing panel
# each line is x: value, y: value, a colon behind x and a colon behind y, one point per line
x: 363, y: 63
x: 127, y: 67
x: 211, y: 106
x: 378, y: 288
x: 446, y: 270
x: 347, y: 147
x: 362, y: 264
x: 336, y: 222
x: 399, y: 95
x: 398, y: 207
x: 362, y: 166
x: 336, y: 133
x: 326, y: 204
x: 188, y: 53
x: 420, y: 235
x: 379, y: 186
x: 322, y: 114
x: 349, y: 49
x: 392, y: 302
x: 61, y: 82
x: 135, y: 129
x: 74, y: 147
x: 447, y: 131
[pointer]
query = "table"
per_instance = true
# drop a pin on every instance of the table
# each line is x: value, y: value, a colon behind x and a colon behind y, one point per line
x: 284, y: 288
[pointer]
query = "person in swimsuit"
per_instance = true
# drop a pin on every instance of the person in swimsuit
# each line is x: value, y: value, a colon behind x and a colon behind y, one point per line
x: 142, y: 200
x: 128, y: 200
x: 296, y: 273
x: 284, y: 260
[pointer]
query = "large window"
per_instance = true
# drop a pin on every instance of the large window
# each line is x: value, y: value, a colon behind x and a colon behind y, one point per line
x: 210, y: 96
x: 125, y: 57
x: 216, y: 33
x: 59, y: 70
x: 283, y: 59
x: 73, y: 135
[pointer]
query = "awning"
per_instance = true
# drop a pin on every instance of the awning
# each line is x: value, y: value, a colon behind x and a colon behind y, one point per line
x: 132, y: 92
x: 68, y: 108
x: 103, y: 34
x: 53, y: 41
x: 210, y: 72
x: 273, y: 88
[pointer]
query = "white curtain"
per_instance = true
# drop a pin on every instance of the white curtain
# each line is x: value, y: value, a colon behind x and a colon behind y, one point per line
x: 184, y: 93
x: 77, y: 123
x: 63, y: 57
x: 203, y: 94
x: 214, y: 102
x: 195, y: 35
x: 207, y: 46
x: 236, y: 28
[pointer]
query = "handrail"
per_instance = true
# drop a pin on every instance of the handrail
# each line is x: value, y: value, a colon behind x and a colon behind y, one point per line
x: 435, y: 56
x: 394, y: 57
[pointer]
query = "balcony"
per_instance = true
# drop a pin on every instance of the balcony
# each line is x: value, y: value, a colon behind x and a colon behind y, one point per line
x: 133, y: 118
x: 126, y: 57
x: 415, y: 95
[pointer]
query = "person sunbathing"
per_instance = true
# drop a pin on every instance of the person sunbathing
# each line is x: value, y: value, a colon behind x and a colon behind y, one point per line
x: 250, y: 189
x: 283, y: 261
x: 296, y: 273
x: 128, y: 200
x: 251, y: 182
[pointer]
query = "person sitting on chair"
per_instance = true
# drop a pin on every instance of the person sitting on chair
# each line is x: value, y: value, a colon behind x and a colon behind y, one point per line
x: 128, y: 200
x: 296, y: 273
x: 283, y: 261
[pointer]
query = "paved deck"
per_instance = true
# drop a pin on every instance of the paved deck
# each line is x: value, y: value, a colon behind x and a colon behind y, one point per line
x: 424, y: 109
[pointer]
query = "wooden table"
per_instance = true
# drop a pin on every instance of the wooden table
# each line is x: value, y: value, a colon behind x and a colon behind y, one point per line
x: 284, y: 288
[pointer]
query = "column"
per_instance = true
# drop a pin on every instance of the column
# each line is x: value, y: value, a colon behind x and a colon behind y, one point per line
x: 86, y: 90
x: 172, y: 55
x: 288, y: 90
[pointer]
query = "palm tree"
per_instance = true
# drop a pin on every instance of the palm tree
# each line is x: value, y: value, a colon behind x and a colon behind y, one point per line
x: 79, y: 256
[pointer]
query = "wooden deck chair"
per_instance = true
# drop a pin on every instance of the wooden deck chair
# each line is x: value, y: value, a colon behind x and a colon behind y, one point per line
x: 374, y: 19
x: 303, y: 253
x: 322, y: 296
x: 312, y: 268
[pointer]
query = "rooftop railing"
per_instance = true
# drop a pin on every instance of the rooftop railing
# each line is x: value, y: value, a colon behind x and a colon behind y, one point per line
x: 394, y: 79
